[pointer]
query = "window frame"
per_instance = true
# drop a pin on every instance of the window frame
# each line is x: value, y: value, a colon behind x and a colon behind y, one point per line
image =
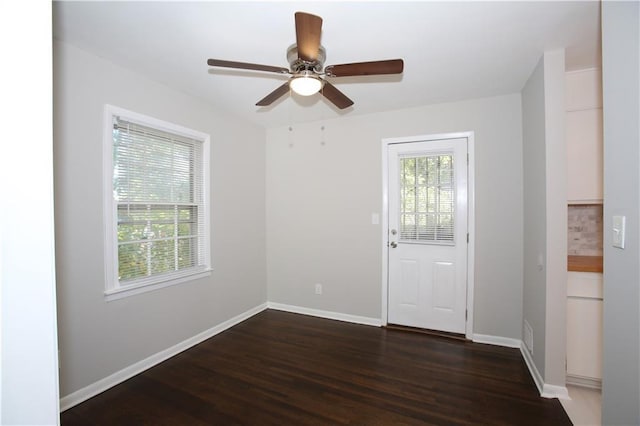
x: 113, y: 288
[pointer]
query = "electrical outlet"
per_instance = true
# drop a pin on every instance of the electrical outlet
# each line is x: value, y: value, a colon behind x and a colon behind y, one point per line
x: 318, y: 288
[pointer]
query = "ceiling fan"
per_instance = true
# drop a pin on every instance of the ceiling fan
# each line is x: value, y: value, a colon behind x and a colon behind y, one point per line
x: 306, y: 59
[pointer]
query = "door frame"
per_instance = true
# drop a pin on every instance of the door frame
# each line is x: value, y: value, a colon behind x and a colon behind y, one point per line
x: 470, y: 218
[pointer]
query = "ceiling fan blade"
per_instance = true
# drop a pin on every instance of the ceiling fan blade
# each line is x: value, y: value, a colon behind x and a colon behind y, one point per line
x: 308, y: 29
x: 246, y: 66
x: 275, y: 95
x: 392, y: 66
x: 336, y: 97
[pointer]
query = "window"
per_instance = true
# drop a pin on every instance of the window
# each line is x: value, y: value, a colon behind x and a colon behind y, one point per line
x: 427, y: 199
x: 156, y: 203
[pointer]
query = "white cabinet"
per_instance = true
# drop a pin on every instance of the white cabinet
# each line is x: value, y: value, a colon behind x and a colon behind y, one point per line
x: 584, y: 328
x: 583, y: 98
x: 584, y: 154
x: 583, y: 89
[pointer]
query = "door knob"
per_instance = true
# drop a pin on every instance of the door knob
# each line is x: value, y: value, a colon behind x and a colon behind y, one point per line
x: 393, y: 244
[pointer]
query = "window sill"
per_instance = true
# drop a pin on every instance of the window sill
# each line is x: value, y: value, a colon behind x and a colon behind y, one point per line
x: 132, y: 290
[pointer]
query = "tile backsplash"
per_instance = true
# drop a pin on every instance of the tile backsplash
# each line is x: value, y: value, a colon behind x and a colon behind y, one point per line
x: 585, y: 230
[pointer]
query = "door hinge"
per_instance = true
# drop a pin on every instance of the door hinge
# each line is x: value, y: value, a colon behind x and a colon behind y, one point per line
x: 466, y: 314
x: 467, y: 238
x: 467, y: 158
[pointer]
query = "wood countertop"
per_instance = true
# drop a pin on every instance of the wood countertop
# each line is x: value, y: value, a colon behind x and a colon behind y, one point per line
x: 584, y: 263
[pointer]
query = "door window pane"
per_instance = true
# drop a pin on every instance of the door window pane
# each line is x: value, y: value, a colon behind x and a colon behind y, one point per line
x: 427, y: 208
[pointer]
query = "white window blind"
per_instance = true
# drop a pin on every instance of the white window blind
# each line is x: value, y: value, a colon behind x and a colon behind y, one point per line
x: 158, y: 204
x: 427, y: 199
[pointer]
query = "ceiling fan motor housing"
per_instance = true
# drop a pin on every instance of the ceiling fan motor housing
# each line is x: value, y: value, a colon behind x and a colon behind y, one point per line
x: 298, y: 65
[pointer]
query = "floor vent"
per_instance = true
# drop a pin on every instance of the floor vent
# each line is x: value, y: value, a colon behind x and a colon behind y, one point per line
x: 528, y: 336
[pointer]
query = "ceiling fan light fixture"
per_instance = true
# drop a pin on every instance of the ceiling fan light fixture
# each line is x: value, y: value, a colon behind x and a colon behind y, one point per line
x: 306, y: 85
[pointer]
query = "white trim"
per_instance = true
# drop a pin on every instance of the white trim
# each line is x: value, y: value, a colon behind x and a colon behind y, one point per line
x: 132, y: 116
x: 471, y: 229
x: 384, y: 229
x: 497, y: 340
x: 535, y: 374
x: 553, y: 391
x: 591, y: 69
x: 471, y: 215
x: 118, y: 377
x: 113, y: 289
x: 325, y: 314
x: 384, y: 315
x: 109, y: 212
x: 122, y: 292
x: 584, y: 382
x: 546, y: 390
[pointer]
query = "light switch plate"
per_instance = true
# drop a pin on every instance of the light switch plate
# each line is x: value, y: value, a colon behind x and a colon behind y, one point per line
x: 618, y: 231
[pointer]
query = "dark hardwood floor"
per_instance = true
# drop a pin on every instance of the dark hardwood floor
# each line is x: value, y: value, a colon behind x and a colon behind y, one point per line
x: 279, y: 368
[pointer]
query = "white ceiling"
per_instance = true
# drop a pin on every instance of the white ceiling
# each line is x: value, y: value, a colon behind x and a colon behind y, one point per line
x: 452, y: 50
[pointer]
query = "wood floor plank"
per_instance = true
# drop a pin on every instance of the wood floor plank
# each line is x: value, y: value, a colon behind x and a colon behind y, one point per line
x: 279, y: 368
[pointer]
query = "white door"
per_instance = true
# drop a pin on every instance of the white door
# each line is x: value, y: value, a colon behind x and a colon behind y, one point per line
x: 428, y: 234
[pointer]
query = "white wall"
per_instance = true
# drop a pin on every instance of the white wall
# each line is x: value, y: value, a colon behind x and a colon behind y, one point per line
x: 621, y: 113
x: 99, y: 338
x: 545, y: 215
x: 556, y: 214
x: 320, y: 199
x: 28, y: 351
x: 535, y: 206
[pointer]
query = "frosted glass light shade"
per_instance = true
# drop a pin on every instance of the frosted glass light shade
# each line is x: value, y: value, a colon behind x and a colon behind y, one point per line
x: 305, y: 85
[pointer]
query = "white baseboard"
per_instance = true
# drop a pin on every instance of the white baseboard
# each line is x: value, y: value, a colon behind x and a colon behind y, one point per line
x: 546, y: 390
x: 118, y: 377
x: 535, y: 374
x: 585, y: 382
x: 553, y: 391
x: 325, y: 314
x: 496, y: 340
